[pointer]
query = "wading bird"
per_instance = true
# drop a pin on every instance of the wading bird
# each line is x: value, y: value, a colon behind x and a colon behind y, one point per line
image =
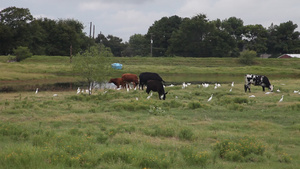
x: 281, y: 99
x: 210, y: 97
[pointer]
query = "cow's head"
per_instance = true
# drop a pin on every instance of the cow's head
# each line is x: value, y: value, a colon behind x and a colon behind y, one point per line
x: 271, y: 88
x: 164, y: 96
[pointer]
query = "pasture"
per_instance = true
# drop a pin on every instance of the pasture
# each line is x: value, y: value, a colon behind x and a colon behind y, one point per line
x: 120, y: 129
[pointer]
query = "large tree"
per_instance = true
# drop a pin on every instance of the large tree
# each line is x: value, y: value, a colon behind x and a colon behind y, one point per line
x: 255, y: 38
x: 14, y: 28
x: 138, y: 46
x: 283, y: 38
x: 160, y: 33
x: 191, y: 38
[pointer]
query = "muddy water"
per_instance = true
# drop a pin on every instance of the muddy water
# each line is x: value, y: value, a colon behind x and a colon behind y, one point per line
x: 168, y: 78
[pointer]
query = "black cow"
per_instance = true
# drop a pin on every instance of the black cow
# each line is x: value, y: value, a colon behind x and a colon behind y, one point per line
x: 145, y: 76
x: 257, y: 80
x: 156, y: 86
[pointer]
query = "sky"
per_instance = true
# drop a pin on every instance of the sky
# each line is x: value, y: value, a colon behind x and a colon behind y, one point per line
x: 124, y: 18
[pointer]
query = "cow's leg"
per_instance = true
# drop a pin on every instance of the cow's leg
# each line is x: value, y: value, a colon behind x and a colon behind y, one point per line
x: 263, y: 87
x: 148, y: 90
x: 246, y: 87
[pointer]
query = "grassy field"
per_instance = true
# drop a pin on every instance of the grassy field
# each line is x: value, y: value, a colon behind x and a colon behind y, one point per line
x: 120, y: 129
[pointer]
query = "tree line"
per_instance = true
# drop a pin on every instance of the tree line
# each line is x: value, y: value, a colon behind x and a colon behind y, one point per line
x: 170, y: 36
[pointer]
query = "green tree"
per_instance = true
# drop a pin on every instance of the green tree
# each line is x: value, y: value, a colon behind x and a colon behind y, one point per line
x: 113, y: 42
x: 160, y: 32
x: 221, y: 43
x: 6, y: 39
x: 14, y: 21
x: 255, y: 38
x: 235, y: 27
x: 283, y: 38
x: 194, y: 34
x: 92, y: 65
x: 138, y: 46
x: 22, y: 53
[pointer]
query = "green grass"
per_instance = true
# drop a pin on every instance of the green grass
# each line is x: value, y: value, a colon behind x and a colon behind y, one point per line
x: 115, y: 130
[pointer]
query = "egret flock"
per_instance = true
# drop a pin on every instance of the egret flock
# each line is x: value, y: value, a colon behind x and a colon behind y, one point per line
x: 184, y: 85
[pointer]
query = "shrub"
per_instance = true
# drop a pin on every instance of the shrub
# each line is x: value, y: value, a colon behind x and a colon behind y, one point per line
x: 22, y: 53
x: 101, y: 138
x: 237, y: 150
x: 247, y: 57
x: 186, y: 134
x: 284, y: 158
x: 194, y: 105
x: 194, y: 157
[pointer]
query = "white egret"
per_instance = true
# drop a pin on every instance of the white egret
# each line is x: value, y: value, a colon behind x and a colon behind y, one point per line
x: 55, y: 95
x: 267, y: 92
x: 136, y: 98
x: 230, y: 89
x: 278, y: 90
x: 232, y: 84
x: 252, y: 96
x: 296, y: 91
x: 281, y: 99
x: 78, y: 90
x: 148, y: 97
x: 210, y: 97
x: 37, y: 90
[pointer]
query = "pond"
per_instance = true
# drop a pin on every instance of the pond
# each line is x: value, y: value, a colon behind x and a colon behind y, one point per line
x: 175, y: 79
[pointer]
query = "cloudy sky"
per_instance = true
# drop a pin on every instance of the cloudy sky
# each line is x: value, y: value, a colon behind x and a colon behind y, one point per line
x: 123, y: 18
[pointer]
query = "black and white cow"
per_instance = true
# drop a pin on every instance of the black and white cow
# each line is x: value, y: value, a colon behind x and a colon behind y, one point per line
x: 145, y: 76
x: 257, y: 80
x: 156, y: 86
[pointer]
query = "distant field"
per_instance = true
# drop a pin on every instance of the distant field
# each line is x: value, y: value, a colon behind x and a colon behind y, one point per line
x: 119, y: 129
x: 49, y: 70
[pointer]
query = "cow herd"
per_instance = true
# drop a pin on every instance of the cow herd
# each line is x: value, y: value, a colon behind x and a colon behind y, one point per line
x: 156, y: 84
x: 152, y: 80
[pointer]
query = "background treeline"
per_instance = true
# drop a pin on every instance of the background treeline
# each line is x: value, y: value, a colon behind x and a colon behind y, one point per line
x: 170, y: 36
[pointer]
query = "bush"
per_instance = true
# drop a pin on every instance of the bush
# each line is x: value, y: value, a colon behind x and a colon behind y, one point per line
x: 22, y: 53
x: 247, y: 57
x: 239, y: 149
x: 186, y: 134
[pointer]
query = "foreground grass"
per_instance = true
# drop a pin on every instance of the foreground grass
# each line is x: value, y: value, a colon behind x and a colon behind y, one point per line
x: 120, y: 129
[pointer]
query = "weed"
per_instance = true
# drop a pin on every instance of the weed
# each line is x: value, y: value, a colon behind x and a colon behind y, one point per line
x: 194, y: 105
x: 186, y: 134
x: 284, y: 158
x: 193, y: 157
x: 101, y: 138
x: 238, y: 149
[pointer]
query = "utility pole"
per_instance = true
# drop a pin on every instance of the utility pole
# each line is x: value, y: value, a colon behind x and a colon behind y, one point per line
x: 100, y: 43
x: 90, y: 35
x: 90, y: 29
x: 71, y: 54
x: 93, y: 31
x: 151, y: 42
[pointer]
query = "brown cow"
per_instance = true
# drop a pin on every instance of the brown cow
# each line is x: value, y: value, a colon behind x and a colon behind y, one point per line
x: 128, y: 78
x: 117, y: 82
